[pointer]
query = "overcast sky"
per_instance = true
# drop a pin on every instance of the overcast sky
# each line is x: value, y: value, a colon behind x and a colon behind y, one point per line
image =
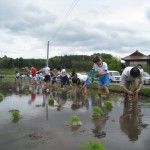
x: 73, y: 27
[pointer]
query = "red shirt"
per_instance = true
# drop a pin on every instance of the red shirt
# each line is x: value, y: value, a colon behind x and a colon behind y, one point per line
x: 33, y: 71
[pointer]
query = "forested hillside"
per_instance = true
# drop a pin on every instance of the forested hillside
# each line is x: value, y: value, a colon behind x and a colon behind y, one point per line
x: 74, y: 62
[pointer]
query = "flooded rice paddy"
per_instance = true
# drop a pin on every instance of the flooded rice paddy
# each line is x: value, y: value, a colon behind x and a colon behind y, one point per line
x: 125, y: 126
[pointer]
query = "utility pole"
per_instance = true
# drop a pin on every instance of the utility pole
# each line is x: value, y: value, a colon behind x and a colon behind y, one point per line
x: 47, y: 53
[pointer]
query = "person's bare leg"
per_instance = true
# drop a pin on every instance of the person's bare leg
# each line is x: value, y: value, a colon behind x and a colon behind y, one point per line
x: 126, y: 95
x: 85, y: 90
x: 99, y: 90
x: 106, y: 91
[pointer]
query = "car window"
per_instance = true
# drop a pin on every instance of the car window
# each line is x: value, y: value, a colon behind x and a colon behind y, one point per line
x: 145, y: 74
x: 116, y: 73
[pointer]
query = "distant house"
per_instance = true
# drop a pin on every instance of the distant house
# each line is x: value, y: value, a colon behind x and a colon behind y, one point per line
x: 137, y: 58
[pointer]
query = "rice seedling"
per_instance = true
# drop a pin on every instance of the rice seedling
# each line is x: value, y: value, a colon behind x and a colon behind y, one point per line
x: 15, y: 115
x: 75, y: 121
x: 108, y: 105
x: 51, y: 101
x: 92, y: 145
x: 97, y: 112
x: 26, y: 92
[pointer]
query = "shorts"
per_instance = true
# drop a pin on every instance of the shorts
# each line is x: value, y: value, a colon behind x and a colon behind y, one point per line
x: 88, y: 81
x: 65, y: 80
x: 47, y: 78
x: 103, y: 80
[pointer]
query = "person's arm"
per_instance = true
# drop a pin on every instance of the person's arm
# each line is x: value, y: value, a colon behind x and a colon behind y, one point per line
x: 127, y: 90
x: 122, y: 83
x: 102, y: 73
x: 141, y: 82
x: 83, y: 86
x: 139, y: 88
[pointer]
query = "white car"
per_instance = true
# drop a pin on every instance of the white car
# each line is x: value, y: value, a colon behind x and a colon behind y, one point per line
x: 146, y: 78
x: 114, y: 76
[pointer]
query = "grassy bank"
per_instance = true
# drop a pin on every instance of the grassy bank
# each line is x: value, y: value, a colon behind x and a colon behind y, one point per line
x: 117, y: 88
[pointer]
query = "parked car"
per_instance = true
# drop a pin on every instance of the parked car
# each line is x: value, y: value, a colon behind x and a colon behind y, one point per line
x: 114, y: 76
x: 146, y: 78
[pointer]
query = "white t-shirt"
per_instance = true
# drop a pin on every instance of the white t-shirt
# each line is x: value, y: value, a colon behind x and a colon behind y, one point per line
x: 46, y: 70
x: 125, y: 76
x: 17, y: 74
x: 82, y: 78
x: 63, y: 73
x: 103, y: 67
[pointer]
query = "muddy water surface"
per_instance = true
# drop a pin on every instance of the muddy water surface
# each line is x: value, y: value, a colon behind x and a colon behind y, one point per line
x: 126, y: 126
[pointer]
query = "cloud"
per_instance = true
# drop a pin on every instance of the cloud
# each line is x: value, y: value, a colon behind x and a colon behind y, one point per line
x: 114, y: 27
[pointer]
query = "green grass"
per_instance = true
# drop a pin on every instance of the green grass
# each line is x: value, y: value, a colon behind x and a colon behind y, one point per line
x: 117, y: 88
x: 7, y: 71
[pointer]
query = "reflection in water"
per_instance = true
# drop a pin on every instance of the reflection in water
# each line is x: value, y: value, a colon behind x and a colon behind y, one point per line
x: 76, y: 100
x: 17, y: 87
x: 33, y: 94
x: 39, y: 89
x: 98, y: 129
x: 85, y: 102
x: 99, y: 123
x: 131, y: 121
x: 93, y: 100
x: 80, y: 100
x: 22, y: 86
x: 46, y: 96
x: 62, y: 98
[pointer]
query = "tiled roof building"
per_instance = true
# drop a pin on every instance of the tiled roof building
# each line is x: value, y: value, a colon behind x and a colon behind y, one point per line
x: 137, y: 58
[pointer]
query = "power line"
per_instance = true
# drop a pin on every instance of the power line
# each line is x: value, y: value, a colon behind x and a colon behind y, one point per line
x: 74, y: 3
